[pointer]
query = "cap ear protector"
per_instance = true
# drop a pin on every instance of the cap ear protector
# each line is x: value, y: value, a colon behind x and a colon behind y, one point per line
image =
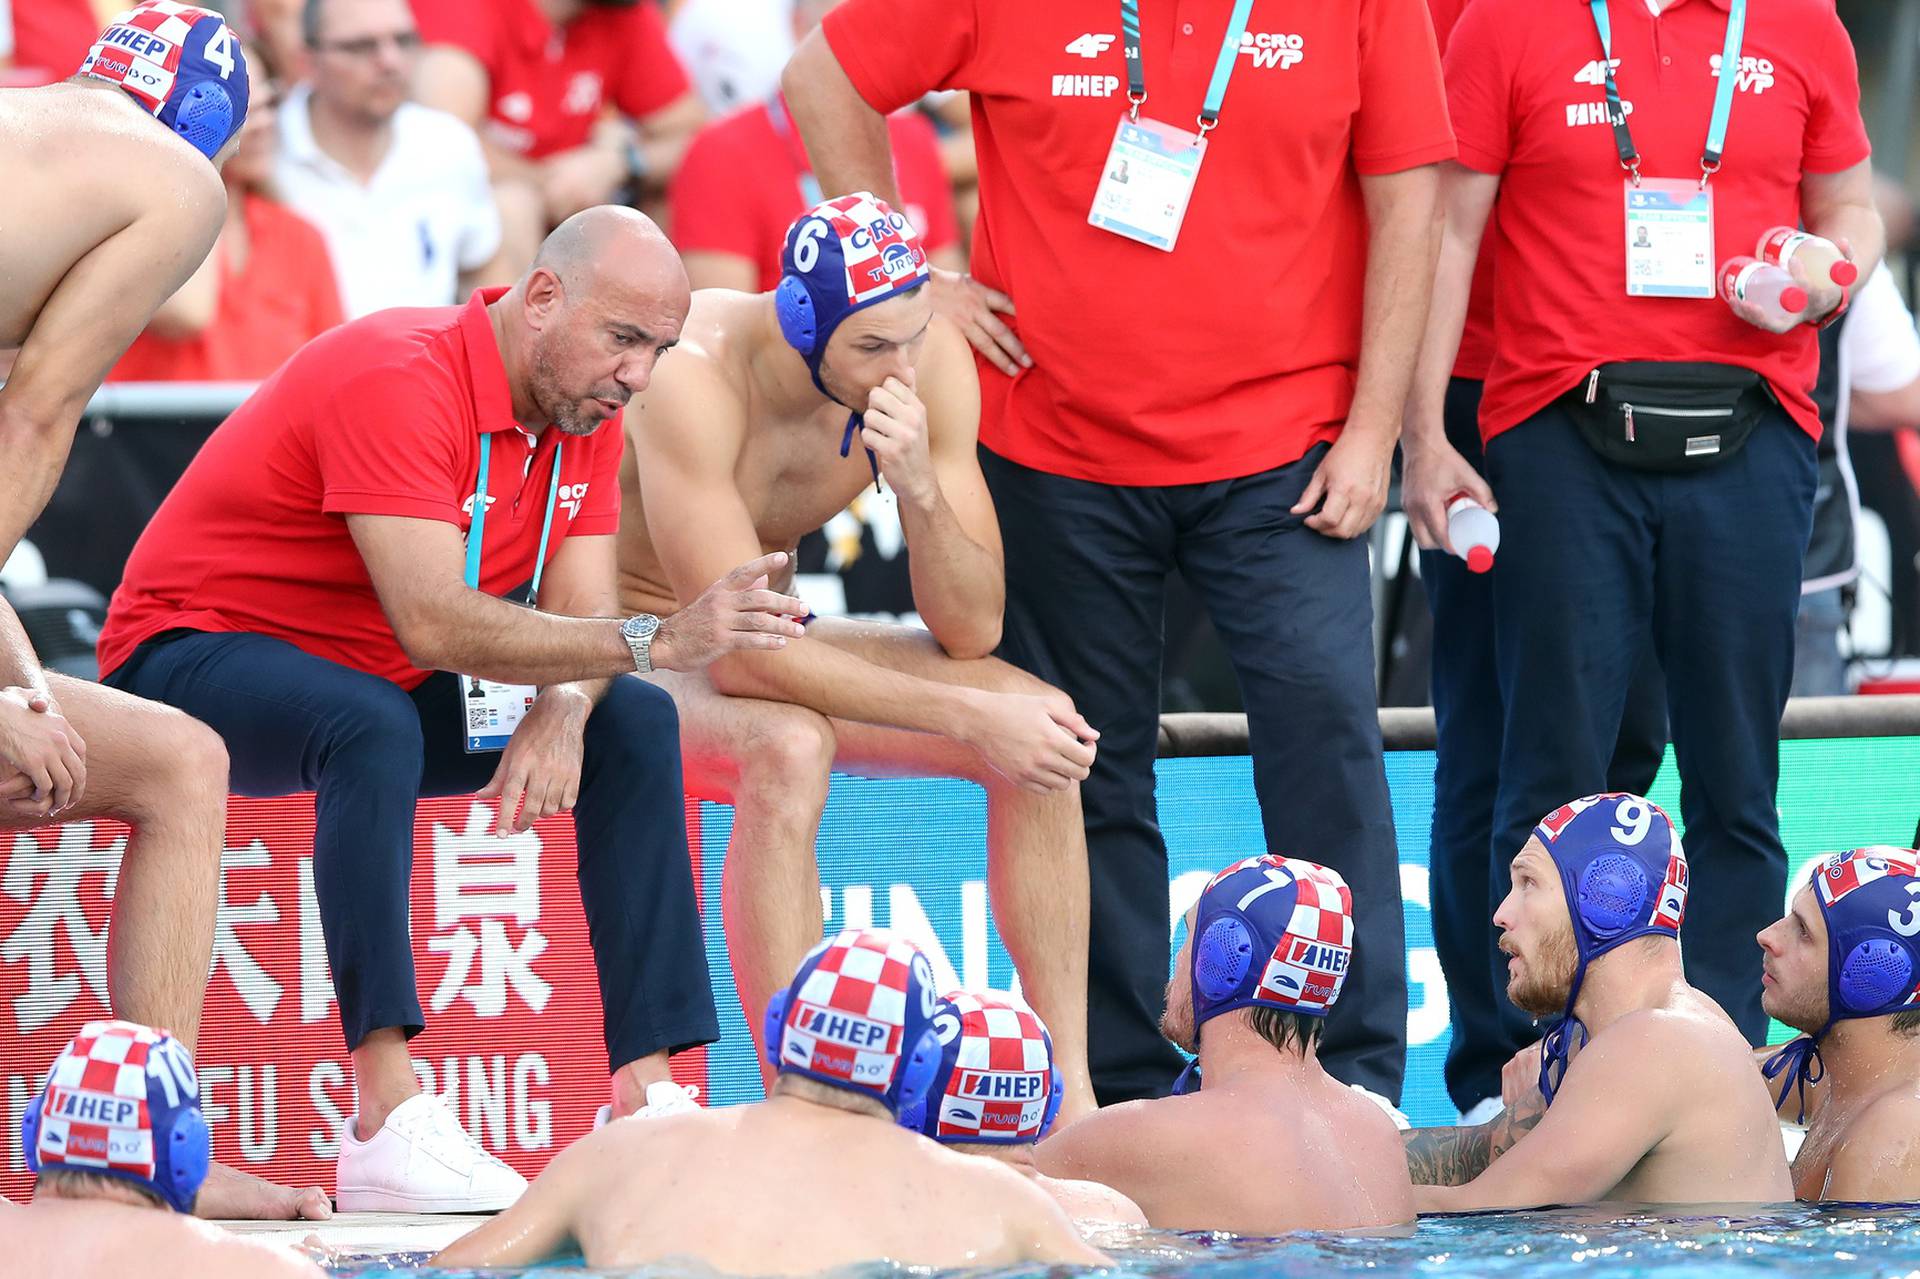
x: 1613, y: 894
x: 774, y: 1029
x: 1875, y: 972
x: 1055, y: 1093
x: 793, y: 307
x: 203, y: 115
x: 1221, y: 958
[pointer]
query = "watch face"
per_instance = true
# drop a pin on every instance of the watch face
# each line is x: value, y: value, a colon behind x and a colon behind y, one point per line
x: 640, y: 627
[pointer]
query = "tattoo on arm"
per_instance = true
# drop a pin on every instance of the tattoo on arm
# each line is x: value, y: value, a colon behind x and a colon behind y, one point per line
x: 1455, y: 1156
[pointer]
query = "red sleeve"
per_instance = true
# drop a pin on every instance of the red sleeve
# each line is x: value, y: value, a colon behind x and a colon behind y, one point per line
x: 923, y: 179
x: 894, y: 51
x: 1445, y: 13
x: 600, y: 513
x: 651, y: 75
x: 1479, y: 88
x: 1402, y: 121
x: 709, y: 210
x: 386, y: 444
x: 1836, y: 135
x: 462, y: 24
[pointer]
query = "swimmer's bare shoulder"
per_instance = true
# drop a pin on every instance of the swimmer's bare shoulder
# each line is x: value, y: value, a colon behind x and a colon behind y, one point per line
x: 1877, y: 1159
x: 695, y: 400
x: 1123, y: 1146
x: 1371, y: 1144
x: 1036, y: 1225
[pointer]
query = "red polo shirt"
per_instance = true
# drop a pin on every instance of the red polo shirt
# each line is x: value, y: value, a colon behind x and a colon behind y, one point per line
x: 546, y: 85
x: 1236, y: 352
x: 382, y: 416
x: 1476, y: 339
x: 1519, y: 77
x: 739, y: 188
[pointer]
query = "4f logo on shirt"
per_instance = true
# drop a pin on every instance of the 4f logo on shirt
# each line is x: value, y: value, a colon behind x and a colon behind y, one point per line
x: 1755, y: 75
x: 583, y: 94
x: 1090, y: 45
x: 1272, y: 48
x: 1595, y: 72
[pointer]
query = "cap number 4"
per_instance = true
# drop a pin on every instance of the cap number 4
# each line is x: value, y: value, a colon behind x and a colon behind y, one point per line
x: 220, y: 51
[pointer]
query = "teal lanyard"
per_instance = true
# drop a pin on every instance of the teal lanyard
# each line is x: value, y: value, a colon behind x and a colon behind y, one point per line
x: 1722, y: 97
x: 1222, y: 66
x: 477, y: 531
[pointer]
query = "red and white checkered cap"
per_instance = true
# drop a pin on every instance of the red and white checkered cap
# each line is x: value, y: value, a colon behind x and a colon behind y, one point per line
x: 1302, y: 915
x: 997, y: 1075
x: 146, y: 72
x: 859, y: 1003
x: 105, y: 1064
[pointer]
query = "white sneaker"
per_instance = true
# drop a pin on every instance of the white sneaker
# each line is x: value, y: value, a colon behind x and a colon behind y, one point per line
x: 664, y: 1098
x: 1481, y: 1111
x: 422, y: 1160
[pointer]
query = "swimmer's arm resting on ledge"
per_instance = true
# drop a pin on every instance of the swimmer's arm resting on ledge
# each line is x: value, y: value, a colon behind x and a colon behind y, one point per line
x: 1604, y: 1120
x: 540, y: 1224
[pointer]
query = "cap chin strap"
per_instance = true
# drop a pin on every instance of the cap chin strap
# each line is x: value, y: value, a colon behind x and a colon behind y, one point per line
x: 855, y: 418
x: 1797, y: 1065
x: 1556, y: 1047
x: 1189, y: 1080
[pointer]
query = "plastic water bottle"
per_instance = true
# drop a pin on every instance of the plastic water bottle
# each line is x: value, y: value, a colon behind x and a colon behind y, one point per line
x: 1764, y: 284
x: 1473, y: 530
x: 1819, y: 258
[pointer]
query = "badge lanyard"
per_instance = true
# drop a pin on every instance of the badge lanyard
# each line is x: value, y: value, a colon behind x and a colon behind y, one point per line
x: 491, y: 711
x: 810, y: 193
x: 1222, y: 66
x: 1722, y: 98
x: 477, y: 532
x: 1152, y: 166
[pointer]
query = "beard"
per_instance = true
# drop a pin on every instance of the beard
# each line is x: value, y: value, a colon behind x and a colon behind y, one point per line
x: 1176, y: 1023
x: 1540, y: 987
x: 562, y: 409
x: 1807, y: 1014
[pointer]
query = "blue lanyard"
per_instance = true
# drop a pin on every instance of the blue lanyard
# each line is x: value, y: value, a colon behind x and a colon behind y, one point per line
x: 477, y: 531
x: 810, y: 192
x: 1222, y: 66
x: 1722, y: 97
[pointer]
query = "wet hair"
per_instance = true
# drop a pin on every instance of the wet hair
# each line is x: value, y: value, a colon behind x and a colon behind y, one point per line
x: 813, y: 1090
x: 1906, y: 1024
x: 1285, y: 1030
x: 71, y: 1183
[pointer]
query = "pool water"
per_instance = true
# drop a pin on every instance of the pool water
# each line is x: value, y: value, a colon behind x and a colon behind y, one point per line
x: 1794, y: 1239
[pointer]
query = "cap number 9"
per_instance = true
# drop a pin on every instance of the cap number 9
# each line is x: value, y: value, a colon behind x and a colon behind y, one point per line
x: 806, y: 247
x: 1635, y: 820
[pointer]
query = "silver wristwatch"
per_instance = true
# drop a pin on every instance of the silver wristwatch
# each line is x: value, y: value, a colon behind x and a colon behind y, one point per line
x: 639, y: 631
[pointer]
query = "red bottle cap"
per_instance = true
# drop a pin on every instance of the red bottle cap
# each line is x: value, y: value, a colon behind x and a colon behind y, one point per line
x: 1479, y: 559
x: 1844, y: 273
x: 1793, y: 299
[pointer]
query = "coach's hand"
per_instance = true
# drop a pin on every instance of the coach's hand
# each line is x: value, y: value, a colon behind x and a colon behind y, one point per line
x: 1350, y: 486
x: 737, y: 612
x: 971, y: 305
x: 895, y: 428
x: 36, y: 740
x: 1038, y: 741
x: 1433, y: 473
x: 541, y: 763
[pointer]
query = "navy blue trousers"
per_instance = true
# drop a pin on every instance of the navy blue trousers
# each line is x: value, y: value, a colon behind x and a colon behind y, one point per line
x: 1469, y: 720
x: 1595, y: 560
x: 1087, y: 576
x: 369, y: 749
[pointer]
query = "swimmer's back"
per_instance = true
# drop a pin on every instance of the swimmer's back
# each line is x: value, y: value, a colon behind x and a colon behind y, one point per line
x: 99, y: 163
x: 769, y: 1189
x: 88, y: 1239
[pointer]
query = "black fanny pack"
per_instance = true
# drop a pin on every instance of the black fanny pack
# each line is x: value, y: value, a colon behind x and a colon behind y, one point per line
x: 1658, y: 415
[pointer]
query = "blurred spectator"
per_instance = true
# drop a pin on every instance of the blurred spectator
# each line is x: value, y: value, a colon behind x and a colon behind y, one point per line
x: 536, y: 78
x: 733, y: 49
x: 746, y: 178
x: 46, y: 40
x: 277, y: 30
x: 264, y: 290
x: 399, y: 190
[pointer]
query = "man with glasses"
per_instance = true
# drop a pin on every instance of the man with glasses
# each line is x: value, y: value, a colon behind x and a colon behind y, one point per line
x: 399, y: 190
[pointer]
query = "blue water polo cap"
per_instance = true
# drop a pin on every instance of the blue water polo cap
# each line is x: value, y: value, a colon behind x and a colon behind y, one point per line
x: 1870, y: 900
x: 997, y: 1081
x: 1272, y: 932
x: 182, y: 63
x: 859, y: 1016
x: 1625, y: 876
x: 122, y: 1101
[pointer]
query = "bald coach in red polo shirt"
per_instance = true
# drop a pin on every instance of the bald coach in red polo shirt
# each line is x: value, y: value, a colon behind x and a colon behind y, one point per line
x: 1212, y: 307
x: 341, y: 547
x: 1651, y: 447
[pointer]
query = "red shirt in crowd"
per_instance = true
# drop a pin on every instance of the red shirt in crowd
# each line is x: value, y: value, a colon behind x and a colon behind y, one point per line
x: 285, y: 296
x: 1236, y: 352
x: 741, y: 185
x: 547, y: 85
x: 52, y: 36
x: 1476, y: 339
x: 1520, y: 78
x: 382, y: 416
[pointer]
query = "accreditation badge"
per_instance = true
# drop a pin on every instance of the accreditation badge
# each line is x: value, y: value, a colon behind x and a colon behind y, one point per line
x: 490, y: 712
x: 1670, y: 238
x: 1147, y: 181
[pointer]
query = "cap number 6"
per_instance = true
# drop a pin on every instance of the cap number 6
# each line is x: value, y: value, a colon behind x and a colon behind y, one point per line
x: 806, y: 249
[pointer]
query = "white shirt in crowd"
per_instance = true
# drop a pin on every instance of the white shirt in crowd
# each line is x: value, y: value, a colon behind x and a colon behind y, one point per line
x: 733, y: 50
x: 404, y: 238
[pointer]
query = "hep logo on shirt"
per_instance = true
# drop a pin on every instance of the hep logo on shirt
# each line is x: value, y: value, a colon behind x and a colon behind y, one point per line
x: 1755, y: 75
x: 1272, y: 48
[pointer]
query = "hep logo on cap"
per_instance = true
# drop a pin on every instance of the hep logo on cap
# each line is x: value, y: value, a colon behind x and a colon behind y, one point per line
x: 182, y: 64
